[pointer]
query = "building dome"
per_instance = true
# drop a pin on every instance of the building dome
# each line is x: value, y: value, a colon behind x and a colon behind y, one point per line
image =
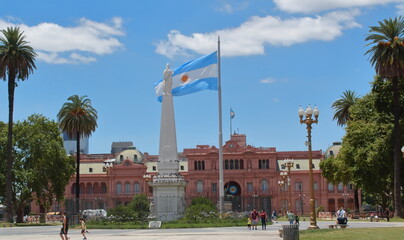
x: 333, y: 150
x: 132, y: 154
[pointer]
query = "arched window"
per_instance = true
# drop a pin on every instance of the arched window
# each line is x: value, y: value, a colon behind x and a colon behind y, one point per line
x: 127, y: 188
x: 89, y: 188
x: 118, y: 188
x: 136, y: 187
x: 340, y: 187
x: 231, y: 164
x: 330, y: 187
x: 236, y: 165
x: 195, y: 165
x: 264, y: 185
x: 315, y: 186
x: 226, y: 164
x: 103, y: 188
x: 199, y: 186
x: 241, y: 164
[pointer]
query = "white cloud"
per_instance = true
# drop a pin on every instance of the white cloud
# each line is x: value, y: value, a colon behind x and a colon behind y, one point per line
x: 267, y: 80
x: 227, y: 8
x: 58, y: 44
x: 251, y: 36
x: 309, y: 6
x: 400, y: 8
x: 230, y: 6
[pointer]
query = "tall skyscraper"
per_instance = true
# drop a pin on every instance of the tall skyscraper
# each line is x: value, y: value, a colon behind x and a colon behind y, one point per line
x: 70, y: 144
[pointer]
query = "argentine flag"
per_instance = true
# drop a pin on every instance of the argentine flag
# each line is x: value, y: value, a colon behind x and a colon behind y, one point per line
x: 193, y: 76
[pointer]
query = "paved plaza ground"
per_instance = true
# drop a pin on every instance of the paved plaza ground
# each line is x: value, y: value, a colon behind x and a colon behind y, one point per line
x: 226, y: 233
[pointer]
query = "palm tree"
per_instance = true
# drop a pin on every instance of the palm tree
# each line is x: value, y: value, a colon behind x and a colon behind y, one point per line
x: 341, y: 107
x: 78, y: 119
x: 343, y: 116
x: 17, y: 62
x: 387, y: 56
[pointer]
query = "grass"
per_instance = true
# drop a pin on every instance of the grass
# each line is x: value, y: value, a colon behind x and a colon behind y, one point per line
x: 393, y: 233
x: 175, y: 224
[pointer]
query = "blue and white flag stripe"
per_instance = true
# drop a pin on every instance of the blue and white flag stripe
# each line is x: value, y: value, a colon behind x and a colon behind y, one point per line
x: 193, y: 76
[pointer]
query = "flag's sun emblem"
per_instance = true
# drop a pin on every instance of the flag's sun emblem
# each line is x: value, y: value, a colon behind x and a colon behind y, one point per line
x: 184, y: 78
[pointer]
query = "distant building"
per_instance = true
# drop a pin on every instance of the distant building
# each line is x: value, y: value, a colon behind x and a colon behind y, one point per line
x: 70, y: 144
x: 118, y: 147
x: 333, y: 150
x: 251, y: 178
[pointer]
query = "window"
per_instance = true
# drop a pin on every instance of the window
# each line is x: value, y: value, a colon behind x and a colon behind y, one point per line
x: 331, y: 153
x: 199, y: 186
x: 236, y: 164
x: 330, y: 187
x: 226, y: 164
x: 231, y: 164
x: 199, y: 165
x: 103, y: 188
x: 297, y: 166
x: 313, y: 166
x: 135, y: 158
x: 249, y: 187
x: 264, y: 185
x: 118, y: 188
x: 283, y: 166
x: 214, y: 187
x: 298, y: 186
x: 182, y: 167
x: 120, y: 158
x: 154, y: 168
x: 136, y: 187
x: 241, y: 164
x: 340, y: 187
x: 263, y: 164
x: 315, y: 186
x: 350, y: 187
x: 299, y: 205
x: 127, y: 188
x: 90, y: 170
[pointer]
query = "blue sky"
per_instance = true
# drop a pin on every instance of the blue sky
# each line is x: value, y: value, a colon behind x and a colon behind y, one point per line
x: 276, y: 56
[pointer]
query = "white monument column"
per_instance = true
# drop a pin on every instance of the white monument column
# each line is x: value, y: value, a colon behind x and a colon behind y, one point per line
x: 168, y: 185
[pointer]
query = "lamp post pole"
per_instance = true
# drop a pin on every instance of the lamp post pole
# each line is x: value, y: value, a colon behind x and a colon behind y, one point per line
x: 309, y: 121
x: 281, y: 183
x: 284, y: 176
x: 289, y: 164
x: 345, y: 196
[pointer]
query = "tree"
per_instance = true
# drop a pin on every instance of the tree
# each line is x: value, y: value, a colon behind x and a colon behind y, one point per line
x: 78, y: 119
x: 387, y: 56
x: 41, y: 168
x: 343, y: 116
x: 341, y: 107
x: 17, y: 62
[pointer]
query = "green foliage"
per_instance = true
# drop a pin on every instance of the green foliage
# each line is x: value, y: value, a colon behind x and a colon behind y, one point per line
x: 137, y: 210
x: 201, y: 210
x: 141, y: 206
x: 40, y: 162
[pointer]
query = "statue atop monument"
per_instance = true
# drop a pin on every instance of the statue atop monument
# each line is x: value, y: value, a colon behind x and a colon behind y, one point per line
x: 168, y: 79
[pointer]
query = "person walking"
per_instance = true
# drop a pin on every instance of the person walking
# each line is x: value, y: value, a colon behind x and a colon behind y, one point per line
x: 83, y: 228
x: 254, y: 219
x: 264, y: 217
x: 274, y: 216
x: 291, y: 217
x: 65, y: 227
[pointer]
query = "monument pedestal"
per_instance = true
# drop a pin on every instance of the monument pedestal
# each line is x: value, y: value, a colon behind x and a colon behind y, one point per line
x: 168, y: 197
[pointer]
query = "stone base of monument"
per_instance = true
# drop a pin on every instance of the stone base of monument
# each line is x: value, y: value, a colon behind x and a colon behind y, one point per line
x: 168, y: 197
x: 155, y: 224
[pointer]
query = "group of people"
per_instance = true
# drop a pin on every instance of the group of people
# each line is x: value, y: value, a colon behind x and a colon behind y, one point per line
x: 262, y: 216
x: 255, y: 217
x: 65, y: 228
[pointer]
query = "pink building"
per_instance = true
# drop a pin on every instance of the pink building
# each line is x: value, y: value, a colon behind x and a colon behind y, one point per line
x: 251, y: 178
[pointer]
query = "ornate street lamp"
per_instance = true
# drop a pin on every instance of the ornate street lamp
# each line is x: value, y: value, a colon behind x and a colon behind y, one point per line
x: 345, y: 196
x: 309, y: 121
x: 289, y: 164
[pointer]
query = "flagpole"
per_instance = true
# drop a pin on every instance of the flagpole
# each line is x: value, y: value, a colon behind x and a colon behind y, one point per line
x: 219, y: 88
x: 231, y: 120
